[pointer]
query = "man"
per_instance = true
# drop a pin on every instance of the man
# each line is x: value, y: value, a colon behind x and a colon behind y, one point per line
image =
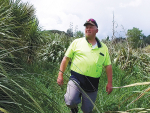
x: 88, y: 56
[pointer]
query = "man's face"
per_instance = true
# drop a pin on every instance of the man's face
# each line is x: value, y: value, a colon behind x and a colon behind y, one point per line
x: 90, y: 31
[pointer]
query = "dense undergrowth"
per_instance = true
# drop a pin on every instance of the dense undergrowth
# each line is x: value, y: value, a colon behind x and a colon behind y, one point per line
x: 33, y: 88
x: 29, y: 66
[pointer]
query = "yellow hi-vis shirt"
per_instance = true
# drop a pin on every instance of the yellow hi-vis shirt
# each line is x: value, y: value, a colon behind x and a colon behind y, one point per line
x: 87, y: 60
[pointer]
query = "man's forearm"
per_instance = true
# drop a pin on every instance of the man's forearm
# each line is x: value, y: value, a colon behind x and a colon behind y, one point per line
x: 63, y: 65
x: 109, y: 73
x: 109, y: 78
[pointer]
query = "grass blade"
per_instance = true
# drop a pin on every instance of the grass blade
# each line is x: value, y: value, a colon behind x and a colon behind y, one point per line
x: 135, y: 84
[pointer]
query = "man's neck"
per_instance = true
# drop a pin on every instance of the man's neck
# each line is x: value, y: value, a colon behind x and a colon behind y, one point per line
x: 92, y: 40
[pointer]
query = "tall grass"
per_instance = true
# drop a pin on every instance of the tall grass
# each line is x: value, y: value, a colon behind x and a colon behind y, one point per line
x: 31, y: 87
x: 34, y: 88
x: 134, y: 72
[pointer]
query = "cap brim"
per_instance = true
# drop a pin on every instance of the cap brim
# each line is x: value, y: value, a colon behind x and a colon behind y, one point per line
x: 89, y: 23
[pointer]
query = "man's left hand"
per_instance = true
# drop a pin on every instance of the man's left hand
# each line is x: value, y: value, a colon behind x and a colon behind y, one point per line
x: 109, y: 88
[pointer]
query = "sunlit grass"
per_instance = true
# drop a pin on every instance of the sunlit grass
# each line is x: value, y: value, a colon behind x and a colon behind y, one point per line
x: 30, y: 87
x: 34, y: 89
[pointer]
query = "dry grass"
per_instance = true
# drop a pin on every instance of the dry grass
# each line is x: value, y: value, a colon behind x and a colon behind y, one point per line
x: 147, y: 49
x: 3, y: 110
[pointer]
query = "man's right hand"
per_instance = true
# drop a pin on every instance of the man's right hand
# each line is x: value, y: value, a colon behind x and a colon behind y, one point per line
x: 63, y: 66
x: 60, y: 81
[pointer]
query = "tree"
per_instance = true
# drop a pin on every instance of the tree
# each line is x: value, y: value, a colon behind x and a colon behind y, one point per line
x: 147, y: 39
x: 134, y: 37
x: 78, y: 34
x: 70, y: 32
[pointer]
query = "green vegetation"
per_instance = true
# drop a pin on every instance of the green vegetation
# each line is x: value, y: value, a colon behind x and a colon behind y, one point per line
x: 30, y: 59
x: 134, y: 36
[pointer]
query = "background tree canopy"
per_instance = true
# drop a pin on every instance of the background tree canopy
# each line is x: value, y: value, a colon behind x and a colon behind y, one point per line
x: 134, y: 36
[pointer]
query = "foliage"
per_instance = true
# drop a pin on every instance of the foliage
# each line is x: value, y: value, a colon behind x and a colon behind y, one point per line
x: 78, y: 34
x: 128, y: 59
x: 131, y: 66
x: 147, y: 40
x: 34, y: 89
x: 70, y: 32
x: 26, y: 93
x: 147, y: 50
x: 53, y: 51
x: 19, y: 30
x: 134, y: 35
x: 29, y: 88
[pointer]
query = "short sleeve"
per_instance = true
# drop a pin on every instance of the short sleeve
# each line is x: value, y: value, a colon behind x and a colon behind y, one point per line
x: 70, y: 51
x: 107, y: 59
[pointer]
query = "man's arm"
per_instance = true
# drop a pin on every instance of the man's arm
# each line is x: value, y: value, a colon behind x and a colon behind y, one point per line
x: 109, y: 78
x: 62, y: 69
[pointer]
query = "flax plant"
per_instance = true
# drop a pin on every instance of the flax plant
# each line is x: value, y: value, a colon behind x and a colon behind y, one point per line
x: 19, y: 35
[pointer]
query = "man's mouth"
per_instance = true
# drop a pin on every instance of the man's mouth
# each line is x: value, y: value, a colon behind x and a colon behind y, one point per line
x: 88, y: 32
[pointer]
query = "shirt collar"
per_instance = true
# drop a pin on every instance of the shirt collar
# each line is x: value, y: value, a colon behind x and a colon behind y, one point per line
x: 98, y: 42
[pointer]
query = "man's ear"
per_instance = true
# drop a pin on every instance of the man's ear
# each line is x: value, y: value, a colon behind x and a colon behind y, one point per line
x: 97, y: 31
